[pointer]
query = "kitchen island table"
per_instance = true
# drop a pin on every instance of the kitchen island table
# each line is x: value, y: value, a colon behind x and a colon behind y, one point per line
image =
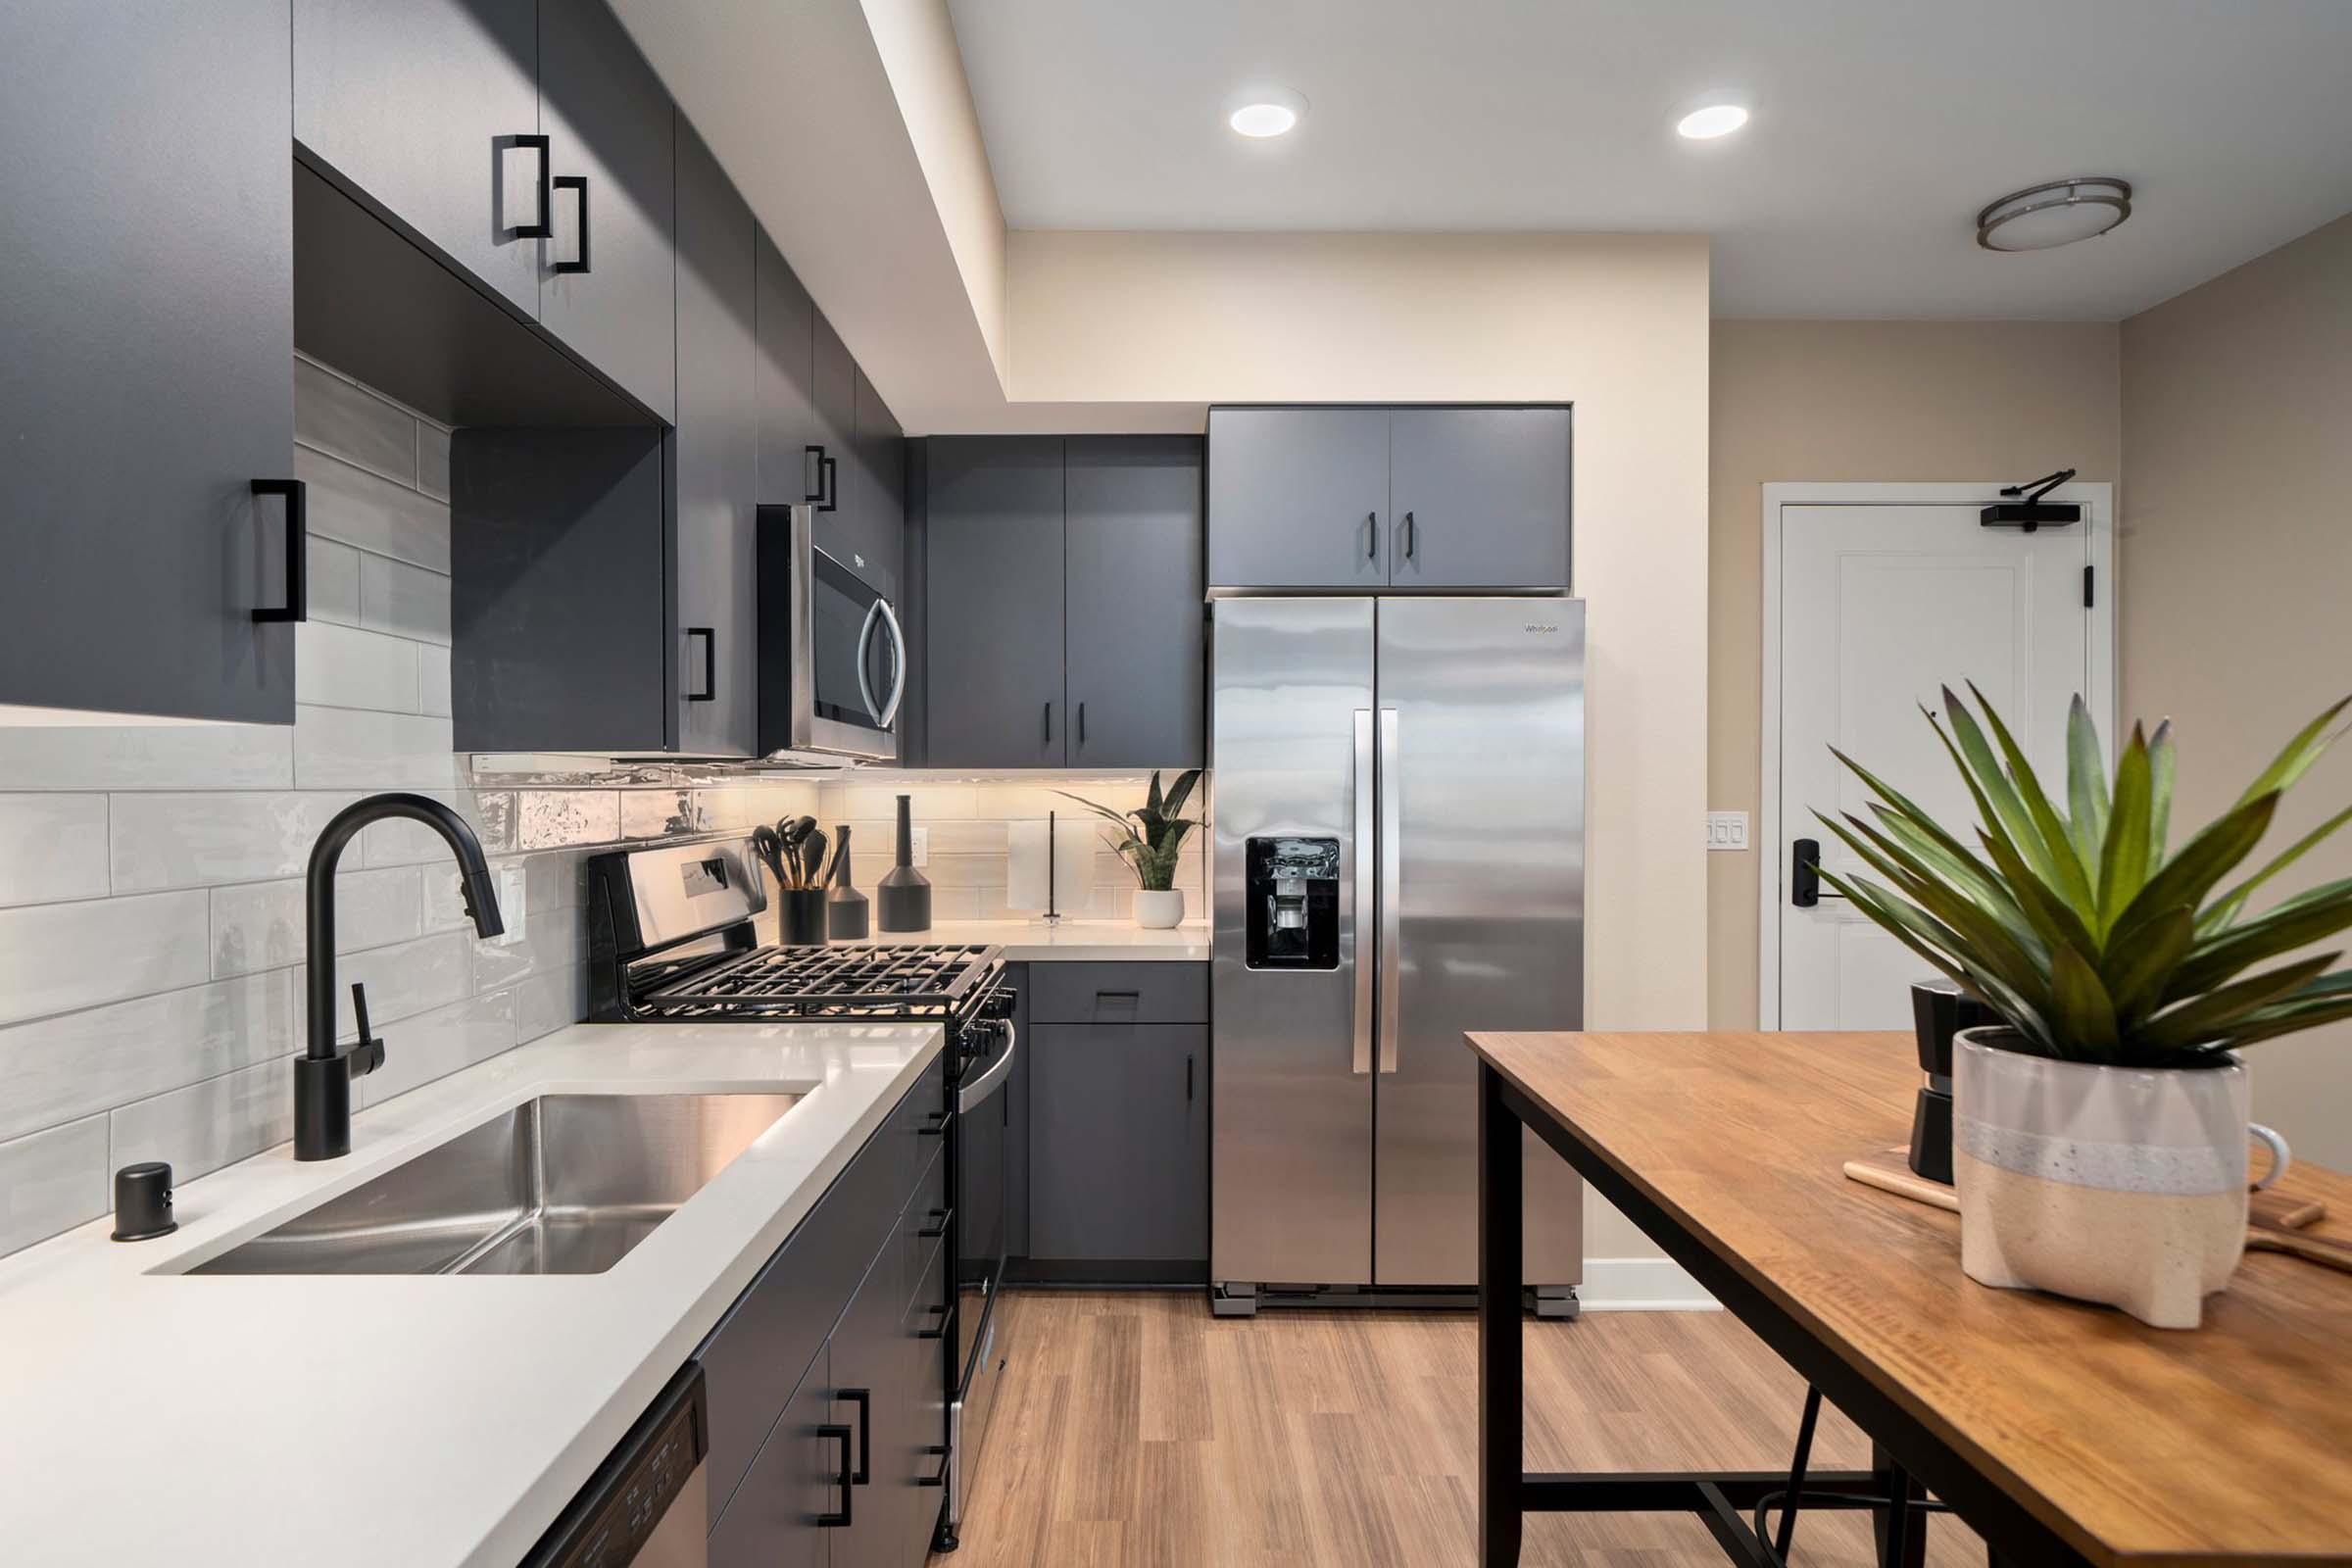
x: 2063, y: 1433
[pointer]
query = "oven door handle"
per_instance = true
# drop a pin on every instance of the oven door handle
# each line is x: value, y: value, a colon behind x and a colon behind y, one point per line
x: 988, y: 1083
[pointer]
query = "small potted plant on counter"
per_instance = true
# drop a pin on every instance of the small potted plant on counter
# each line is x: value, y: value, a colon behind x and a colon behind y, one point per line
x: 2100, y: 1130
x: 1151, y: 840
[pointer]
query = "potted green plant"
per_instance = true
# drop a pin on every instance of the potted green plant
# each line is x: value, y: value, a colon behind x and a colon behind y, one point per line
x: 1151, y: 840
x: 2100, y: 1130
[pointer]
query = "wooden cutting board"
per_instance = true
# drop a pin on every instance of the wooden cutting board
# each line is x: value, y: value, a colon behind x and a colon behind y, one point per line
x: 2275, y: 1220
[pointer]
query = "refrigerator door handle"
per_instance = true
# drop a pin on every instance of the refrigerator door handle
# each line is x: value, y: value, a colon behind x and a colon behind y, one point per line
x: 1361, y: 1012
x: 1390, y: 845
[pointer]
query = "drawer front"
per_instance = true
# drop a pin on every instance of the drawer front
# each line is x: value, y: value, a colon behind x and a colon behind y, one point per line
x: 926, y: 1211
x: 1118, y: 993
x: 756, y: 1354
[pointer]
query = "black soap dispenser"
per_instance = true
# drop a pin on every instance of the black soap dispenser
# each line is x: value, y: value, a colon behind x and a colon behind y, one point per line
x: 902, y: 903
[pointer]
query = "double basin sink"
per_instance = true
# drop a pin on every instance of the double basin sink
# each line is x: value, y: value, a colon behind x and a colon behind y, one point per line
x: 562, y: 1184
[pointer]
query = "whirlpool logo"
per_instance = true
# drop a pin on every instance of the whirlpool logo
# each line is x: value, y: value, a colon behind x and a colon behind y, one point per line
x: 1543, y: 628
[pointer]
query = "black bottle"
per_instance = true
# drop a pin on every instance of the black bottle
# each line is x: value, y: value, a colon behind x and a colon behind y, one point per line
x: 902, y: 903
x: 844, y: 906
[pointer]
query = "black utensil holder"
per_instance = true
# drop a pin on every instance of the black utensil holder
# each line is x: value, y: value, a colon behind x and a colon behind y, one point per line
x: 800, y: 917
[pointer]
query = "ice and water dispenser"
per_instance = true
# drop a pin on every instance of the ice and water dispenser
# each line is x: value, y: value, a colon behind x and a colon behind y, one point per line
x: 1294, y: 898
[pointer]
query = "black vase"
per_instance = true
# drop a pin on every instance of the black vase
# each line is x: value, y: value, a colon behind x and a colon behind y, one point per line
x: 902, y: 903
x: 844, y: 906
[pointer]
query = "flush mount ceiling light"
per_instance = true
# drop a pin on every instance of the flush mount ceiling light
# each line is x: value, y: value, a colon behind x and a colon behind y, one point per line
x: 1710, y: 121
x: 2059, y: 213
x: 1260, y: 114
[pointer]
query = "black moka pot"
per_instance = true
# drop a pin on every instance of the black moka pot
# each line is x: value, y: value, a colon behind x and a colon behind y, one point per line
x: 1939, y: 1010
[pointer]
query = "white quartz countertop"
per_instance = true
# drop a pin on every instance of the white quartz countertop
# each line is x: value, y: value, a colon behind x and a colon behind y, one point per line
x: 1070, y: 941
x: 396, y: 1421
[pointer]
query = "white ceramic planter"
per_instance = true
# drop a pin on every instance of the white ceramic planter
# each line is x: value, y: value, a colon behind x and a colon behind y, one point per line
x: 1160, y: 911
x: 2107, y: 1184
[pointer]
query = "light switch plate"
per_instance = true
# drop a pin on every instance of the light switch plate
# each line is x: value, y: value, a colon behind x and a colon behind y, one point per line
x: 1727, y: 830
x: 922, y: 846
x: 513, y: 907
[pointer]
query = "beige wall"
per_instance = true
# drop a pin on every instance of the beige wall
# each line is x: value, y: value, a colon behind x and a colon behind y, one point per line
x: 1861, y: 400
x: 1617, y: 325
x: 2238, y: 574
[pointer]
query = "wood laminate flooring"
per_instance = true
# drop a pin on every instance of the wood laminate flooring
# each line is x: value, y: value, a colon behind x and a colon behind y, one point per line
x: 1136, y: 1429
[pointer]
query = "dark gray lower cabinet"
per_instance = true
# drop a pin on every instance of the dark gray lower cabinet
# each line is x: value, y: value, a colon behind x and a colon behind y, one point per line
x: 146, y: 349
x: 609, y: 278
x: 774, y: 1520
x: 1135, y: 637
x: 1118, y: 1142
x: 1478, y: 498
x: 715, y: 461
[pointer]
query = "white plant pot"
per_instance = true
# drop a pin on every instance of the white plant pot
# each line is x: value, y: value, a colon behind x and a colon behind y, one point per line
x: 1160, y: 911
x: 2119, y: 1184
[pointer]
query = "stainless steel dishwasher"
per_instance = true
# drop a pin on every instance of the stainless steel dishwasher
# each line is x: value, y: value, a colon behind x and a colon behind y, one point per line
x: 645, y: 1504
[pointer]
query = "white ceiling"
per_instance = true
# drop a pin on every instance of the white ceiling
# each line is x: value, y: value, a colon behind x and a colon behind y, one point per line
x: 1880, y: 128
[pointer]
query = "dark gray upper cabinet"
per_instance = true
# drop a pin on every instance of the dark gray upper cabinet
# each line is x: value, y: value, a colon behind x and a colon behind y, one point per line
x: 1478, y: 498
x: 1118, y: 1142
x: 1297, y: 498
x: 146, y: 309
x: 609, y: 281
x: 875, y: 506
x: 418, y: 103
x: 993, y: 621
x: 789, y: 425
x: 1133, y: 601
x: 715, y: 460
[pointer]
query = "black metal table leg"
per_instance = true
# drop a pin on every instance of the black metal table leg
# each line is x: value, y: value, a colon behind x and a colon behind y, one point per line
x: 1901, y: 1529
x: 1500, y: 1352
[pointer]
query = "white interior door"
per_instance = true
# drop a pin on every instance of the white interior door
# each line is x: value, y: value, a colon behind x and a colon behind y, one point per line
x: 1880, y: 606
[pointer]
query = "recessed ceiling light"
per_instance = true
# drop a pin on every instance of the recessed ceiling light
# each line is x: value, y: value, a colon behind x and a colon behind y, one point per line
x: 1712, y: 121
x: 1260, y: 114
x: 2060, y: 212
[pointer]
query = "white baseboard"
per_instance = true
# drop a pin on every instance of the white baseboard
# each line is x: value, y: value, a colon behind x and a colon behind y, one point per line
x: 1640, y: 1285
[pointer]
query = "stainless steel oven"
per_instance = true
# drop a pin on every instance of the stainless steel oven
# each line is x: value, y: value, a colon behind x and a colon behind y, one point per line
x: 832, y: 654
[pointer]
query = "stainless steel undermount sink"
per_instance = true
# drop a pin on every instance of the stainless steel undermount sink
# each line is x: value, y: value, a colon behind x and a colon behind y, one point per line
x: 563, y: 1184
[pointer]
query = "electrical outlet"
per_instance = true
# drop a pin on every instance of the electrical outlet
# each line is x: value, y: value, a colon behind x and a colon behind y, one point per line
x: 922, y: 846
x: 1727, y: 830
x: 513, y: 907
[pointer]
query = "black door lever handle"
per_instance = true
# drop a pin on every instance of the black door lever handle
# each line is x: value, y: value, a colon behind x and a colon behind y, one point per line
x: 1804, y: 875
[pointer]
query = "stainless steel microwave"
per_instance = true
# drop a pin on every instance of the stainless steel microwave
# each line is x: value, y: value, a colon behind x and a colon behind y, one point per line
x: 832, y: 654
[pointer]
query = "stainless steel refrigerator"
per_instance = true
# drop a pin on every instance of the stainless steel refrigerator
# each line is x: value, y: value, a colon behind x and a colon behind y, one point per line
x: 1399, y: 858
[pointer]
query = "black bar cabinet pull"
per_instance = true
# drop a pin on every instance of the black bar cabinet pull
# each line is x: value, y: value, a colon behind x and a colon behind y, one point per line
x: 710, y: 637
x: 863, y: 1400
x: 937, y: 1330
x: 1048, y: 723
x: 812, y: 473
x: 577, y: 183
x: 941, y: 1219
x: 1082, y: 723
x: 1409, y: 539
x: 829, y: 486
x: 841, y: 1520
x: 545, y: 227
x: 1371, y: 535
x: 298, y: 549
x: 1188, y: 1080
x: 935, y: 1122
x: 940, y: 1477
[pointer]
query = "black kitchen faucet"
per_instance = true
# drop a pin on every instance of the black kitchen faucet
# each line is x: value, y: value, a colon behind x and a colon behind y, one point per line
x: 323, y: 1074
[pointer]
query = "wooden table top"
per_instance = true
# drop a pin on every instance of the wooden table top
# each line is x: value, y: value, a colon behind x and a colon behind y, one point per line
x: 2232, y: 1443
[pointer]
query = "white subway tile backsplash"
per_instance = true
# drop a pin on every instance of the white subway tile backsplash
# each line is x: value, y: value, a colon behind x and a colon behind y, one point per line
x: 210, y: 1124
x: 546, y: 819
x: 55, y: 1069
x: 372, y: 512
x: 662, y: 814
x: 400, y: 841
x: 204, y: 840
x: 402, y: 599
x: 52, y: 1181
x: 432, y: 679
x: 55, y: 958
x: 402, y: 981
x: 347, y: 748
x: 432, y: 460
x: 552, y: 882
x: 547, y: 1002
x: 259, y: 925
x: 343, y: 419
x: 435, y: 1043
x: 334, y: 583
x: 340, y: 666
x: 553, y: 939
x: 52, y: 847
x: 146, y: 756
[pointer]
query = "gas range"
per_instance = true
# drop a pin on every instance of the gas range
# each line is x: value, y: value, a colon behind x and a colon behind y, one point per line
x: 673, y: 938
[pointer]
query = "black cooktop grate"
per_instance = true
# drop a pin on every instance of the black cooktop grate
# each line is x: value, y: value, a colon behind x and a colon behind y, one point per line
x: 877, y: 981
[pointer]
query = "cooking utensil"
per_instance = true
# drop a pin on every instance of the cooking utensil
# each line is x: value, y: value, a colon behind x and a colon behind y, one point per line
x: 770, y: 848
x: 812, y: 858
